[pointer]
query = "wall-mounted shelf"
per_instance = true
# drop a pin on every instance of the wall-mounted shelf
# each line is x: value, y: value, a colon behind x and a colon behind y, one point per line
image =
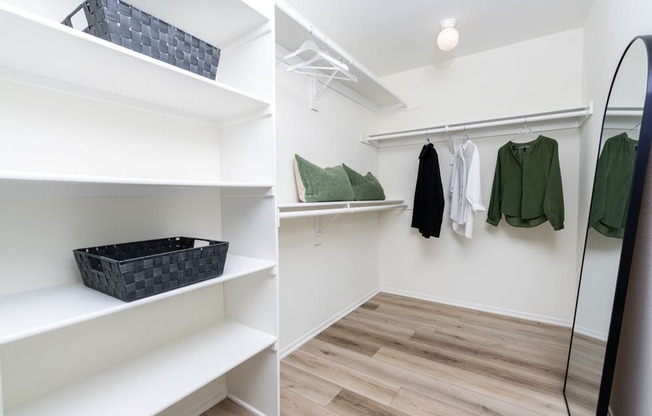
x: 36, y: 183
x: 622, y: 118
x: 292, y: 29
x: 316, y: 209
x: 51, y: 55
x: 38, y: 311
x: 144, y: 386
x: 537, y: 122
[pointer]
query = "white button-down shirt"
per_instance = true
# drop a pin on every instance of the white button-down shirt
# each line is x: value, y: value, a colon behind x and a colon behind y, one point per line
x: 466, y: 195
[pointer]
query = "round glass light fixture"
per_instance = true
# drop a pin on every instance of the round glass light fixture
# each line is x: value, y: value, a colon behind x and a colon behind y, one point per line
x: 449, y: 36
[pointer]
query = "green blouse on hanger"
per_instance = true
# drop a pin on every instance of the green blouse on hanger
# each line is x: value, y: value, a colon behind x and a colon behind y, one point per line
x: 527, y: 185
x: 613, y: 183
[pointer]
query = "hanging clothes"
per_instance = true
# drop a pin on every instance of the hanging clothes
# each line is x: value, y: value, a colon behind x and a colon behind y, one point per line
x: 527, y: 186
x: 613, y: 183
x: 428, y: 210
x: 465, y: 191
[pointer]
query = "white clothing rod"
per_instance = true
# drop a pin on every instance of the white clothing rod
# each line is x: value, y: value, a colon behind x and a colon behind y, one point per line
x: 337, y: 211
x: 625, y: 112
x: 579, y: 113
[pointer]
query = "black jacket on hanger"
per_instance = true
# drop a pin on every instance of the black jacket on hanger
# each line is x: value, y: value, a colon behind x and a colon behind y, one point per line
x: 429, y: 194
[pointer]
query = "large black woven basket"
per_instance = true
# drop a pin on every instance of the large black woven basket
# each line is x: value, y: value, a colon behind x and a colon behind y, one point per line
x: 132, y: 271
x: 125, y: 25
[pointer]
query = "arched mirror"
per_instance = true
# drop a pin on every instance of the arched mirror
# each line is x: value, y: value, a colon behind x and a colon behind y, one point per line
x: 615, y: 204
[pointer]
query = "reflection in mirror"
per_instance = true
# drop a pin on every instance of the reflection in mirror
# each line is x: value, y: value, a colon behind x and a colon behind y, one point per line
x: 585, y: 384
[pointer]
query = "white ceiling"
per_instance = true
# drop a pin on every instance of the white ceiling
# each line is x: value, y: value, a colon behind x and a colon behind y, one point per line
x: 389, y: 36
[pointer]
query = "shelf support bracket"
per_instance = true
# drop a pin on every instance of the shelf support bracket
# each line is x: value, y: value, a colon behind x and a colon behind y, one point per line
x: 320, y: 229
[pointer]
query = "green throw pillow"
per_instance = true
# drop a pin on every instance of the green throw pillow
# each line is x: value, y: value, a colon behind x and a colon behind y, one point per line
x: 365, y: 188
x: 315, y: 184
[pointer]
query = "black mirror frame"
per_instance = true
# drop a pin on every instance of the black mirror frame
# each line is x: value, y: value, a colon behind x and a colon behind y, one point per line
x: 629, y: 239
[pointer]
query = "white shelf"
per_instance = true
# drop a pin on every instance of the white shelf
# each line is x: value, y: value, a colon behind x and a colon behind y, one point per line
x: 29, y: 313
x: 292, y: 29
x: 43, y: 52
x: 36, y: 183
x: 622, y: 118
x: 153, y: 381
x: 537, y: 122
x: 316, y: 209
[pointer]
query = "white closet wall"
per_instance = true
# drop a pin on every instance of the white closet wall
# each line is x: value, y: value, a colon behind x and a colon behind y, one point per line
x: 538, y: 75
x: 523, y: 272
x: 318, y: 283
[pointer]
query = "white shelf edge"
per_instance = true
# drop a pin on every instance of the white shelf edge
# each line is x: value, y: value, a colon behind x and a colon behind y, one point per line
x: 544, y: 121
x: 351, y: 90
x: 95, y: 304
x: 622, y: 118
x: 210, y: 88
x: 117, y: 180
x: 151, y: 382
x: 624, y: 111
x: 335, y: 208
x: 22, y: 184
x: 338, y: 204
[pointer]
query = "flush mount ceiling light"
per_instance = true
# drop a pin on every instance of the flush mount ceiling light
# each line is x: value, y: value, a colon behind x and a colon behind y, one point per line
x: 449, y: 36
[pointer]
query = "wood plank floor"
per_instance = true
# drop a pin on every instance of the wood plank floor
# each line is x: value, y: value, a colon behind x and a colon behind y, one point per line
x: 584, y: 374
x: 400, y: 356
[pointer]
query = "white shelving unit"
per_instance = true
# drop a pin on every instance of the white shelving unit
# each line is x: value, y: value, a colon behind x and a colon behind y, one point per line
x: 104, y: 145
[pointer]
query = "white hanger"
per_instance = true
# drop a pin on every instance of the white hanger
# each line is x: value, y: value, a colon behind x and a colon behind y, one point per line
x: 525, y: 130
x: 308, y: 45
x: 466, y: 137
x: 321, y: 64
x: 451, y: 141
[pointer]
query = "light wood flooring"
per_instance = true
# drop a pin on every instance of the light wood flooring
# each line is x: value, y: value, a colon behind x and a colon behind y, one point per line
x: 584, y: 374
x: 397, y: 356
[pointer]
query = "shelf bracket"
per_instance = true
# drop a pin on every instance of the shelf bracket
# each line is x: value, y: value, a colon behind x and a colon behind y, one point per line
x: 319, y: 229
x: 314, y: 93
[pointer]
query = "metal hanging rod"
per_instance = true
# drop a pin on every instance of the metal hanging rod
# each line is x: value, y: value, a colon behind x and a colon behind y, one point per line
x: 553, y: 120
x: 344, y: 208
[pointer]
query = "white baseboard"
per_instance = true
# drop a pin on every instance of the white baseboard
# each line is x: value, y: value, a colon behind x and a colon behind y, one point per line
x: 307, y: 337
x: 202, y: 400
x: 197, y: 403
x: 591, y: 333
x: 245, y: 406
x: 484, y: 308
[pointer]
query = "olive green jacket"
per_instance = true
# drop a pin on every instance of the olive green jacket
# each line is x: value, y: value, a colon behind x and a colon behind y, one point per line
x: 527, y: 185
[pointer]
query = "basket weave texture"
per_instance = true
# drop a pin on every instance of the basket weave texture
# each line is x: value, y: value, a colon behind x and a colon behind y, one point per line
x: 133, y: 271
x: 125, y: 25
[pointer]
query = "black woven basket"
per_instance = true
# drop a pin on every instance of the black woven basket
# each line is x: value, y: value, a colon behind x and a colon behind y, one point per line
x: 133, y: 271
x: 125, y: 25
